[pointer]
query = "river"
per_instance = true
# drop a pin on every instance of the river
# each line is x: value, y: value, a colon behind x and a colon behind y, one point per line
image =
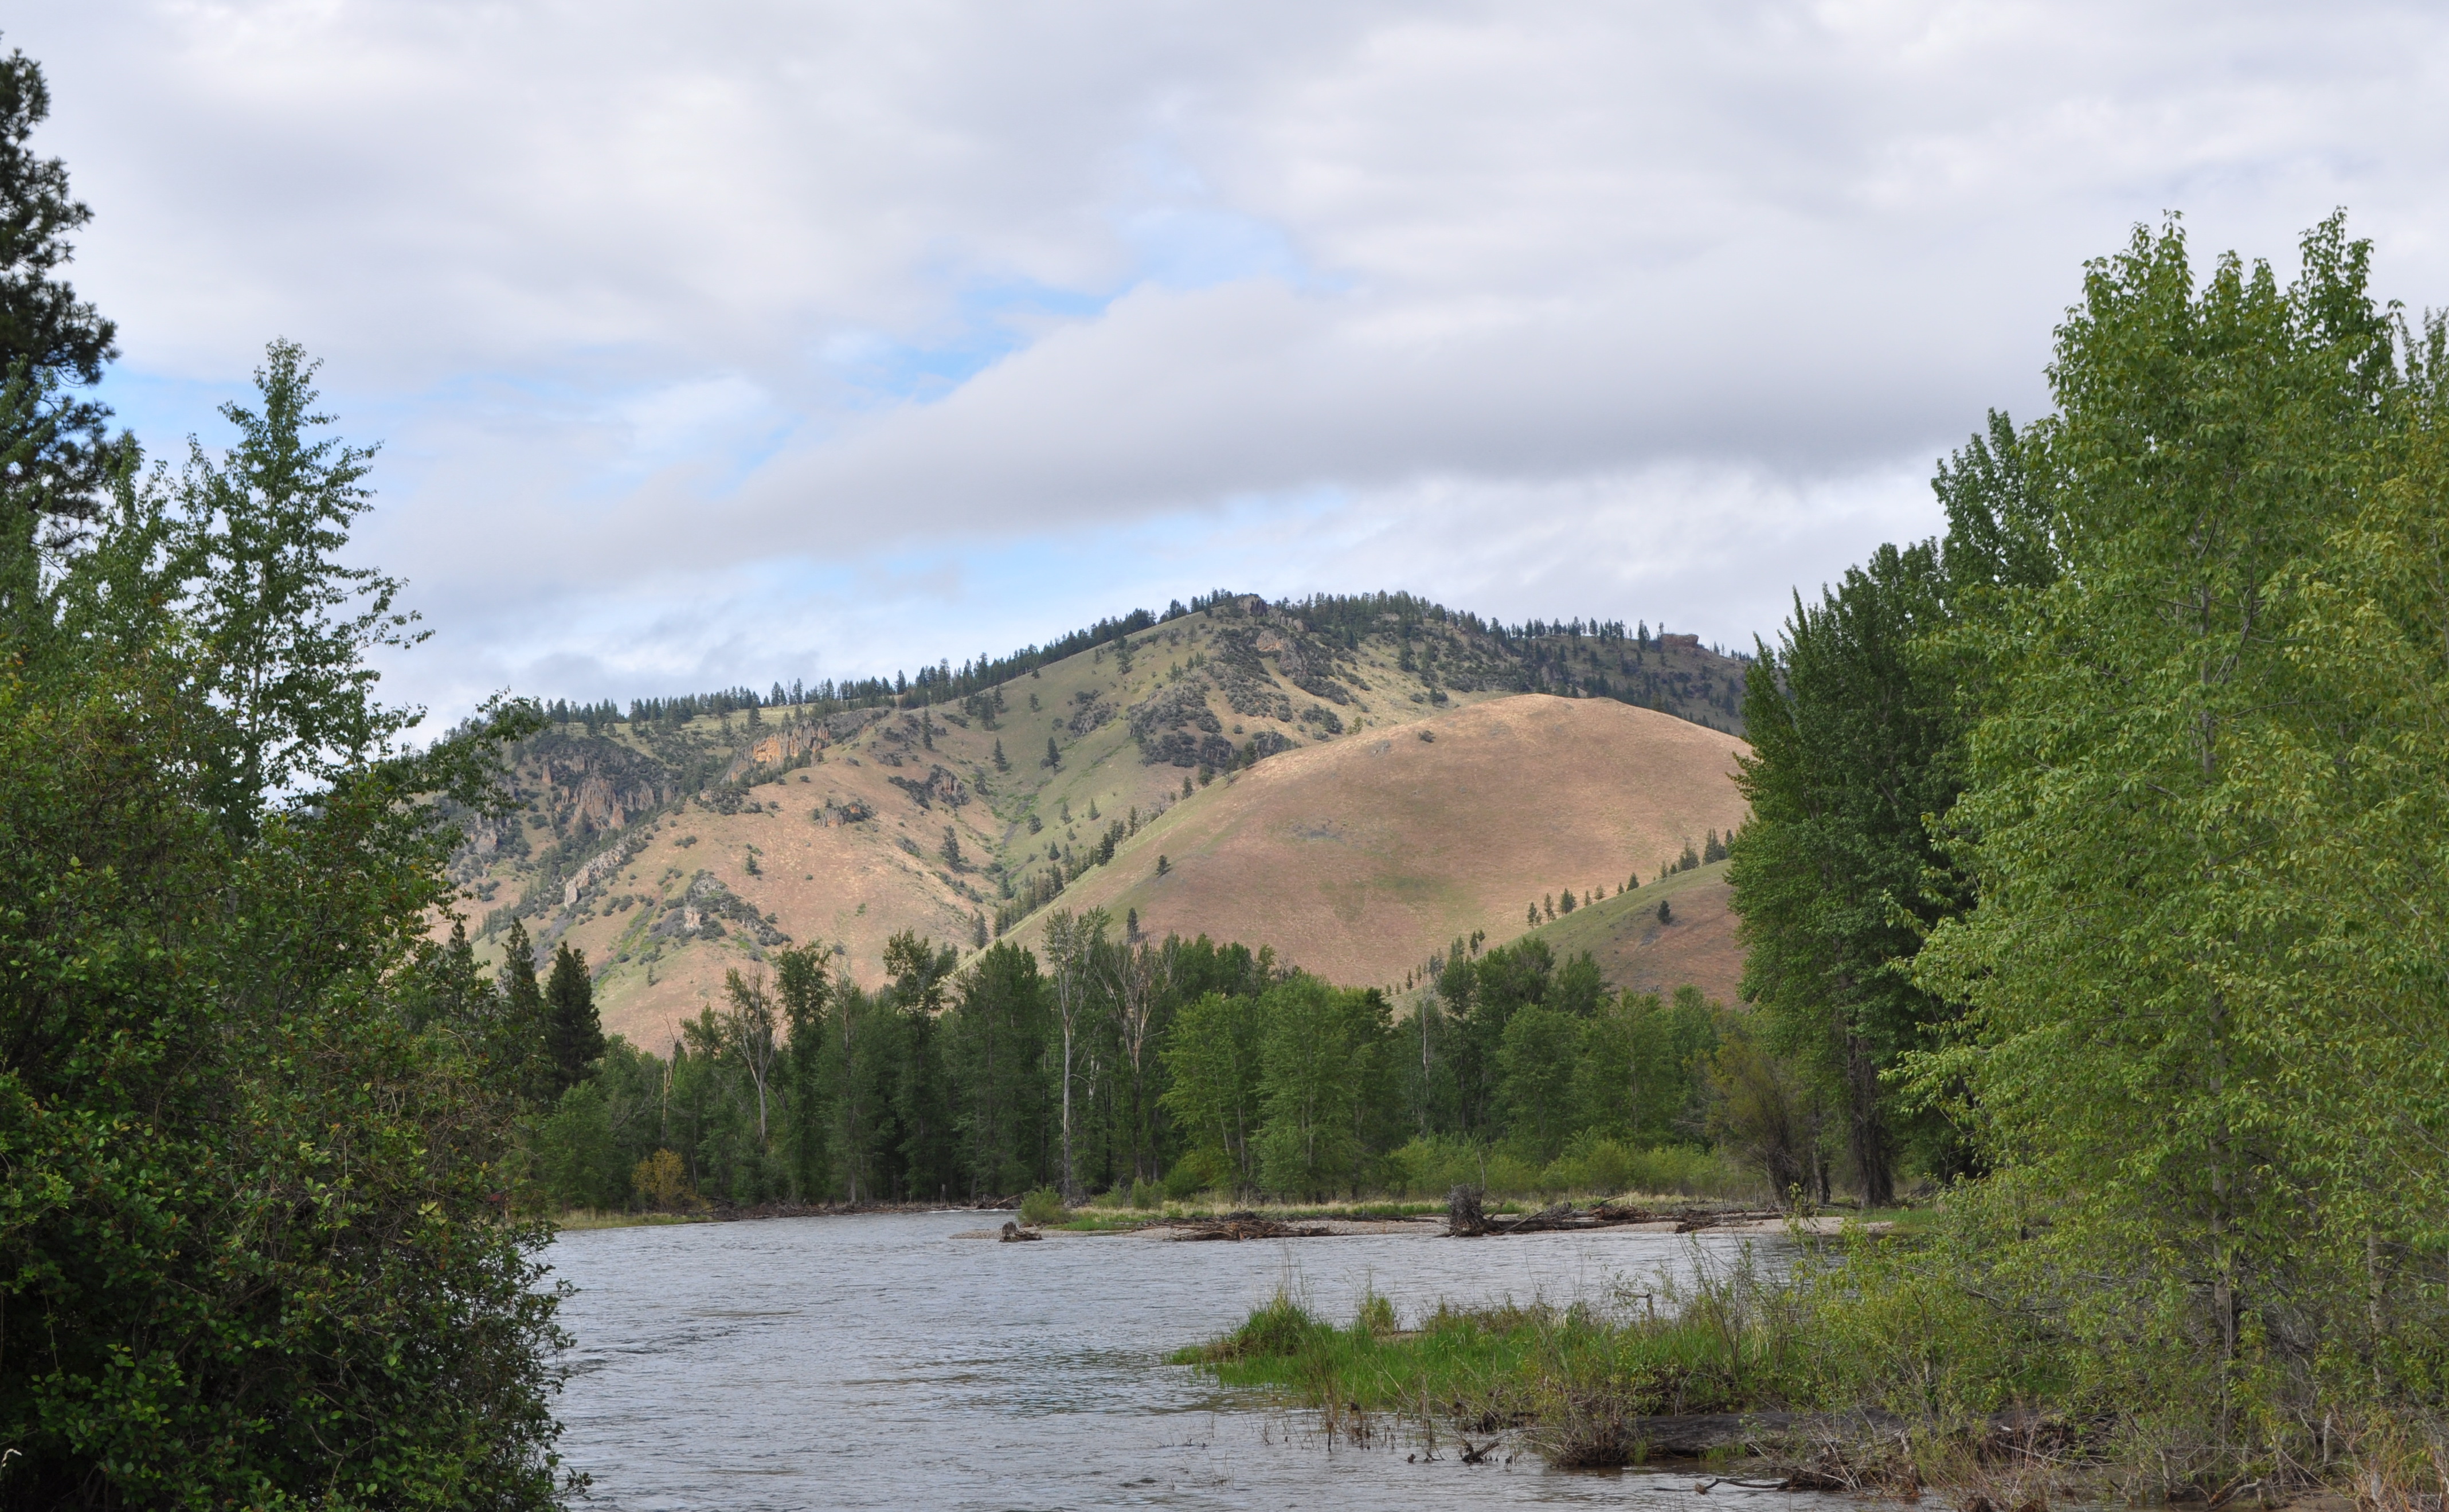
x: 879, y: 1362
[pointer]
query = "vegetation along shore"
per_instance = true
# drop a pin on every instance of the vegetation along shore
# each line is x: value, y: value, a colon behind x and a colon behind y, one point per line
x: 2093, y: 865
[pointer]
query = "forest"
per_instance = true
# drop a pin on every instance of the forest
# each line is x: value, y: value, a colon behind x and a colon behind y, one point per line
x: 1147, y: 1070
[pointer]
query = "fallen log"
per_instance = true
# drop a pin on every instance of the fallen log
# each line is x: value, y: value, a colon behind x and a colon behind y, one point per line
x: 1239, y: 1228
x: 1465, y: 1219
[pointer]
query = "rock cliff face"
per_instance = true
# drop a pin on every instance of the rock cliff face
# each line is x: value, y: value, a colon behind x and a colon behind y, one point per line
x: 591, y: 784
x: 778, y: 748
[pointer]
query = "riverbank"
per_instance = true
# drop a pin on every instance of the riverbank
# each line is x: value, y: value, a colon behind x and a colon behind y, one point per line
x: 1859, y: 1366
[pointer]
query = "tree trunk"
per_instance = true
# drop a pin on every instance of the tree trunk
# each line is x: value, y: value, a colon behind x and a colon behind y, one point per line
x: 1867, y: 1131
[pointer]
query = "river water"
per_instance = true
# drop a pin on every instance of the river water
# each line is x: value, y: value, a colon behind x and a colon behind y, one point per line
x: 879, y: 1362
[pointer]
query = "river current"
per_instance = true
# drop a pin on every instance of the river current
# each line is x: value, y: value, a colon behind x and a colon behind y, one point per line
x: 879, y: 1362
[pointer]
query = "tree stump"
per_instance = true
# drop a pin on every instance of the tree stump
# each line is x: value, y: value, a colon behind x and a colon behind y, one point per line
x: 1463, y: 1218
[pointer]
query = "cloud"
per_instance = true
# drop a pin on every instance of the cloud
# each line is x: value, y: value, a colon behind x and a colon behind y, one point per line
x: 717, y: 338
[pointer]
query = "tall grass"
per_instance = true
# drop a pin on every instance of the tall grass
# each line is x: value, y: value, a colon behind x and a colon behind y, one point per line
x: 1927, y: 1367
x: 1578, y: 1377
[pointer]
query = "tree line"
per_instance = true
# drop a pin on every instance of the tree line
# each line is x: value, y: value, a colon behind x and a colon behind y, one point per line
x: 1113, y: 1062
x: 2096, y: 848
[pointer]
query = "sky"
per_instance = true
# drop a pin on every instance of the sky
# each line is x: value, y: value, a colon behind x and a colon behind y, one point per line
x: 739, y: 342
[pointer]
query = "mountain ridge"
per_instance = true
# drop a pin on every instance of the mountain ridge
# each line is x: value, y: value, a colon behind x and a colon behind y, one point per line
x: 676, y: 846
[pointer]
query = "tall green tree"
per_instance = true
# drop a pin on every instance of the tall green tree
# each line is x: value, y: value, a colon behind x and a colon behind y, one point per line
x: 573, y: 1032
x: 51, y: 341
x: 1214, y: 1090
x: 244, y: 1148
x: 1856, y: 749
x: 281, y: 628
x: 995, y: 1058
x: 1323, y: 1058
x: 2197, y: 1026
x: 802, y: 981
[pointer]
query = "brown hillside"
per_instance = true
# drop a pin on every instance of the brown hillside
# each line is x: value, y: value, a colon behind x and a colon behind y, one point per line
x: 636, y: 840
x: 1697, y: 945
x: 1358, y: 859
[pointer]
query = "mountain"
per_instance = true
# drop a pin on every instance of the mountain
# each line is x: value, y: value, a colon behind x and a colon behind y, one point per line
x: 1353, y: 780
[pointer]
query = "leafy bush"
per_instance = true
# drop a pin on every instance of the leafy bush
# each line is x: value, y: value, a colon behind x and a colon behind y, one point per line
x: 1189, y: 1175
x: 1042, y: 1207
x: 662, y: 1182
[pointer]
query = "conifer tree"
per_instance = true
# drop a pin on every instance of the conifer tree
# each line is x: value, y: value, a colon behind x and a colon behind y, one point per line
x: 573, y: 1033
x: 50, y: 340
x: 524, y: 1026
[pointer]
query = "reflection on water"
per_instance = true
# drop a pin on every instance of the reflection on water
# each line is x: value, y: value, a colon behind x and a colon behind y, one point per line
x: 855, y: 1362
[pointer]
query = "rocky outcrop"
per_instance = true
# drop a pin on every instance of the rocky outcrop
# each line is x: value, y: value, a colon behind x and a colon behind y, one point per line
x: 706, y: 909
x: 938, y: 786
x: 595, y: 869
x: 1175, y: 726
x: 589, y: 784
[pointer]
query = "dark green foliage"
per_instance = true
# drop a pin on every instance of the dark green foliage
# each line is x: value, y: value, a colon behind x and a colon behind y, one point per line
x: 573, y: 1034
x: 50, y: 340
x: 281, y: 628
x: 253, y: 1124
x: 1855, y: 745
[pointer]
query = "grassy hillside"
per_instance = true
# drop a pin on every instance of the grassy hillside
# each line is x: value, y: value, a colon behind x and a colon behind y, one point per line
x: 1358, y: 858
x: 673, y: 851
x: 1634, y: 950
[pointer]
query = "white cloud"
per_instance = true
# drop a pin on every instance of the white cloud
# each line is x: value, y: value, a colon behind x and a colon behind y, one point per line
x: 741, y: 332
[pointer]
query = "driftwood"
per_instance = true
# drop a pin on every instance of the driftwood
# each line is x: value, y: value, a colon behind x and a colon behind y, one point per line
x: 1466, y: 1220
x: 1014, y: 1234
x: 1247, y: 1226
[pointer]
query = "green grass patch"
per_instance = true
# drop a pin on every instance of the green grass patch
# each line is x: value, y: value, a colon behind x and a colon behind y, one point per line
x: 1861, y: 1323
x: 598, y: 1218
x: 1114, y: 1220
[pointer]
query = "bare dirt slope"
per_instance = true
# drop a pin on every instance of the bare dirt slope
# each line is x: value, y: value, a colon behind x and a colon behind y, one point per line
x: 1634, y: 948
x: 1358, y: 859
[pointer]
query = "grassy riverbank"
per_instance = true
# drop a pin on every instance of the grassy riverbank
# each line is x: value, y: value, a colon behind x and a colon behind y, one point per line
x: 1116, y: 1219
x: 1871, y: 1364
x: 571, y: 1219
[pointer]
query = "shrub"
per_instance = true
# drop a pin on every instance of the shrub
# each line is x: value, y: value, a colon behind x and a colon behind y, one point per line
x: 1042, y: 1207
x: 1146, y: 1194
x: 1607, y: 1167
x: 1376, y: 1316
x: 661, y: 1181
x: 1189, y: 1175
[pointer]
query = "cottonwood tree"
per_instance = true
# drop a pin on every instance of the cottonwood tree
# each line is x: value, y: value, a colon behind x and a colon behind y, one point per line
x: 1137, y: 976
x: 2176, y: 1035
x: 281, y: 629
x: 750, y: 1028
x: 1072, y: 942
